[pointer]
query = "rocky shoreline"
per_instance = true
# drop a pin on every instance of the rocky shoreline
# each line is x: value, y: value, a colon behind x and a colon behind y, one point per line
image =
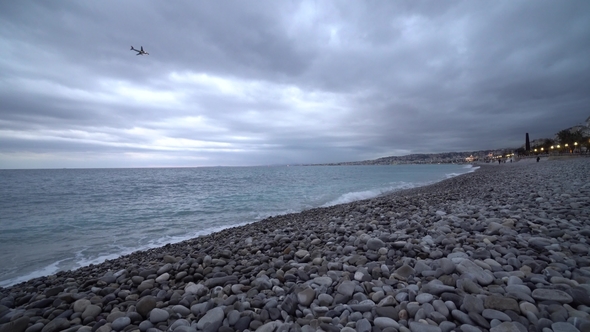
x: 505, y: 248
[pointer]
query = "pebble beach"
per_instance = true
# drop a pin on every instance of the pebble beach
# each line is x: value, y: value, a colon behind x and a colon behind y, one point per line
x: 502, y: 249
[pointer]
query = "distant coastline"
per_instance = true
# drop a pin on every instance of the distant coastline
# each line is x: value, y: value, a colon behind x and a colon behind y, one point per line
x: 427, y: 158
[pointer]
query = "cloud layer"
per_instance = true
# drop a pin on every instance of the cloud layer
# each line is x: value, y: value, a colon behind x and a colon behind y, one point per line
x: 274, y: 82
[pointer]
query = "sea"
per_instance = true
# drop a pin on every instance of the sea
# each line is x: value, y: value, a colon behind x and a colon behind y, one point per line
x: 61, y: 219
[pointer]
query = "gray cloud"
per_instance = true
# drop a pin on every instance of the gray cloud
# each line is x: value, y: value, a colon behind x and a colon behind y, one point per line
x: 247, y: 83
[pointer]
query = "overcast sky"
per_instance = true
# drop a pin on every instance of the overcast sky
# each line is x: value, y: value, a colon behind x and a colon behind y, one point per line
x: 279, y: 82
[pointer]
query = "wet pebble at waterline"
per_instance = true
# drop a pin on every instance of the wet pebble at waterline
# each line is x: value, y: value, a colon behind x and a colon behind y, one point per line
x: 501, y: 249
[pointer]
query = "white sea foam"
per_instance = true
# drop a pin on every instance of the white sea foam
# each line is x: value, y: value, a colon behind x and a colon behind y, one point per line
x: 81, y: 262
x: 354, y: 196
x: 47, y: 270
x: 469, y: 169
x: 366, y: 194
x: 156, y: 243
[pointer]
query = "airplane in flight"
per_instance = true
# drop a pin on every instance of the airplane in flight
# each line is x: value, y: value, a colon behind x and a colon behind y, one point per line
x: 140, y: 52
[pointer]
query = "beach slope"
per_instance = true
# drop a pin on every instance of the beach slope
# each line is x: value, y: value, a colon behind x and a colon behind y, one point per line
x: 505, y: 248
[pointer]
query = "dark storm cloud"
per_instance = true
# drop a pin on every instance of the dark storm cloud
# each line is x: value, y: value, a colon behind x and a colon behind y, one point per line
x: 233, y: 82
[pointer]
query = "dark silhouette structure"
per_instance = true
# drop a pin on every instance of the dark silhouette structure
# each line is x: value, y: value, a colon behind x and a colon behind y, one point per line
x: 527, y: 144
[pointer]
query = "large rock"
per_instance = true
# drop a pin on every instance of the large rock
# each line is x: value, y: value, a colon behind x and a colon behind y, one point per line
x: 323, y: 281
x: 165, y: 268
x: 195, y: 289
x: 494, y: 226
x: 178, y: 323
x: 91, y: 311
x: 505, y: 327
x: 306, y: 296
x: 579, y: 248
x: 346, y: 288
x: 301, y: 253
x: 145, y: 305
x: 436, y: 287
x: 289, y: 305
x: 212, y: 319
x: 146, y: 284
x: 384, y: 322
x: 158, y: 315
x: 242, y: 323
x: 53, y: 291
x: 421, y: 327
x: 114, y: 315
x: 363, y: 325
x: 57, y: 324
x: 471, y: 270
x: 473, y: 303
x: 163, y: 277
x: 447, y: 266
x: 375, y: 244
x: 580, y: 295
x: 17, y: 325
x: 403, y: 272
x: 221, y: 281
x: 120, y: 323
x: 262, y: 283
x: 501, y: 303
x: 269, y: 327
x: 80, y: 305
x: 541, y: 294
x: 563, y: 327
x: 539, y: 242
x: 495, y: 314
x: 104, y: 328
x: 181, y: 310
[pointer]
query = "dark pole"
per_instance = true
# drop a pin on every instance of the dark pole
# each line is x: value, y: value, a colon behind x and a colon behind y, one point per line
x: 527, y: 144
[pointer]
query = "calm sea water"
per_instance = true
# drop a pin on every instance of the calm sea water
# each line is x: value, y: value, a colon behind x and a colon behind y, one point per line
x: 62, y: 219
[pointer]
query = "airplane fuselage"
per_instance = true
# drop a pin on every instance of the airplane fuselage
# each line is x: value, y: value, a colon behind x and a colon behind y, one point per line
x: 139, y: 52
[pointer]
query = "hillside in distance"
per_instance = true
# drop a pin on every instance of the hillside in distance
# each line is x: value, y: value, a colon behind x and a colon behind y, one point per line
x: 432, y: 158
